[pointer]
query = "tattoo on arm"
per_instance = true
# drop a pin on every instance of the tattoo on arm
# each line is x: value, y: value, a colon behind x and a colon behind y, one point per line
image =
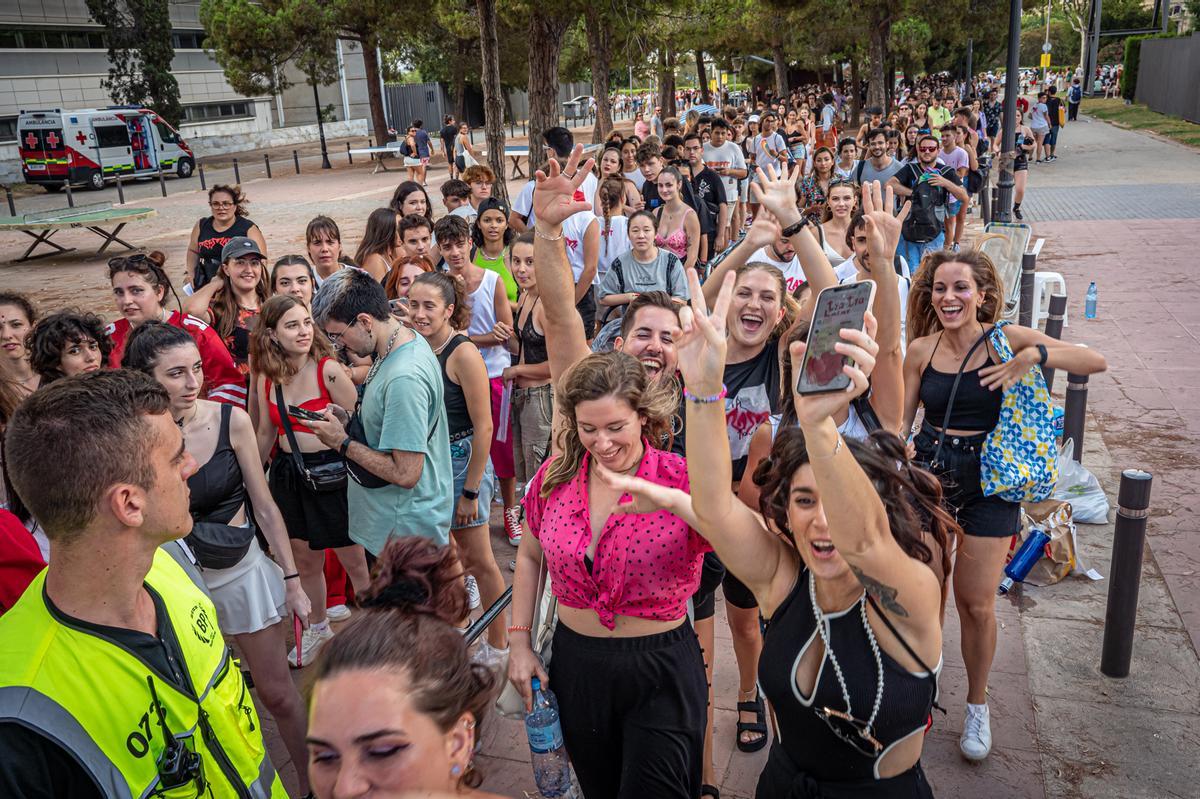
x: 885, y: 595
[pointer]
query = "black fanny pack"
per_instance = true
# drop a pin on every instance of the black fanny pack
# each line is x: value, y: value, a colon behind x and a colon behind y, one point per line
x: 361, y: 474
x: 320, y: 478
x: 219, y: 546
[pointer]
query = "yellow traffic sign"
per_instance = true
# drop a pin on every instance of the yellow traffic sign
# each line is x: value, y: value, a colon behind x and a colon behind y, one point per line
x: 1046, y: 60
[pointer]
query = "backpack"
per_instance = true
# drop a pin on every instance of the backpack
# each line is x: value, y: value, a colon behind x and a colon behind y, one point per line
x: 922, y: 224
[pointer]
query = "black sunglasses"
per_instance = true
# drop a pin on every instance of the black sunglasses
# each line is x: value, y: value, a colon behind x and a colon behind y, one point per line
x: 851, y: 730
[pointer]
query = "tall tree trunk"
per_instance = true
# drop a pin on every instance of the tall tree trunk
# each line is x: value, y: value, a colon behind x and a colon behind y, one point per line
x: 458, y: 79
x: 493, y: 109
x: 855, y: 94
x: 702, y: 76
x: 374, y: 93
x: 599, y: 36
x: 877, y: 93
x: 545, y: 42
x: 666, y: 80
x: 781, y: 76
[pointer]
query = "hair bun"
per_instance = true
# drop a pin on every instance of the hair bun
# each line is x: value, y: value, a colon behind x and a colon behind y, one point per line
x: 415, y: 575
x: 401, y: 593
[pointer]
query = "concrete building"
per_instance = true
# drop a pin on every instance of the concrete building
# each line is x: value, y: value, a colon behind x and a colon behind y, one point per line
x: 53, y: 55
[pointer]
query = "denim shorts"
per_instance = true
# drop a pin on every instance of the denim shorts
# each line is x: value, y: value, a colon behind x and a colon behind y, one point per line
x: 959, y: 471
x: 460, y: 458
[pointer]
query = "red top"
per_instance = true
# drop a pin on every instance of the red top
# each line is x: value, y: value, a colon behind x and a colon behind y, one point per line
x: 20, y: 559
x: 316, y: 404
x: 222, y: 380
x: 646, y: 566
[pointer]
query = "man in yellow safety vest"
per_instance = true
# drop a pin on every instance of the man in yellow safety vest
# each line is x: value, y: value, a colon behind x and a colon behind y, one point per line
x: 114, y: 679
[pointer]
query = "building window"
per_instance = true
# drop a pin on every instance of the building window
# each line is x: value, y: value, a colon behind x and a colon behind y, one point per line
x: 188, y: 40
x: 52, y: 38
x: 208, y: 112
x: 8, y: 129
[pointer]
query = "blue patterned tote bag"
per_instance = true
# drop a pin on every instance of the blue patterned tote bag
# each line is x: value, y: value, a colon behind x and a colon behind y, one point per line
x: 1019, y: 461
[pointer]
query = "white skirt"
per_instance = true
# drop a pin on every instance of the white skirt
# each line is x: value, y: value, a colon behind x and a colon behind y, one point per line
x: 249, y: 596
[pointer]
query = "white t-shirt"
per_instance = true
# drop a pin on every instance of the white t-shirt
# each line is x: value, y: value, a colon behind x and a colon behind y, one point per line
x: 613, y: 242
x: 466, y: 212
x: 792, y: 273
x: 573, y: 230
x: 637, y: 177
x: 524, y: 202
x: 763, y: 159
x: 727, y: 156
x: 847, y: 272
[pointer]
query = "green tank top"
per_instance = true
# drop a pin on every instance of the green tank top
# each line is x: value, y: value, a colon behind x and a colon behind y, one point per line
x: 498, y: 266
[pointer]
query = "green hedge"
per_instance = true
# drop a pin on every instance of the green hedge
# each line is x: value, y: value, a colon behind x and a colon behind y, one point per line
x: 1133, y: 58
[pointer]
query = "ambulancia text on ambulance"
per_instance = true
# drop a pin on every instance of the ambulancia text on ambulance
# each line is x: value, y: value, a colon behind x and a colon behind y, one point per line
x: 91, y: 146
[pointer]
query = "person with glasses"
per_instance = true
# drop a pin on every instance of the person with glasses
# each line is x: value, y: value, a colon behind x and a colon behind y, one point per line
x: 210, y: 235
x: 401, y: 436
x: 852, y: 649
x: 930, y: 186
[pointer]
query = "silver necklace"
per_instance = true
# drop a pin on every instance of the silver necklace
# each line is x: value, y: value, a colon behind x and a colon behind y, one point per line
x: 823, y: 628
x: 379, y: 361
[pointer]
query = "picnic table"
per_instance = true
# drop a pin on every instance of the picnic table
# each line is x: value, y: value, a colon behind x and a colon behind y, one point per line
x: 515, y: 152
x: 380, y: 163
x: 100, y: 218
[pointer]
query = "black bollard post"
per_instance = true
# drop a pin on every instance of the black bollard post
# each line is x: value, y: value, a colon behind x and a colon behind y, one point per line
x: 203, y: 184
x: 237, y: 174
x: 120, y: 190
x: 1125, y: 573
x: 349, y: 155
x: 1075, y: 412
x: 162, y: 181
x: 70, y: 194
x: 1054, y: 323
x: 267, y: 163
x: 296, y: 161
x: 1028, y: 268
x: 12, y: 206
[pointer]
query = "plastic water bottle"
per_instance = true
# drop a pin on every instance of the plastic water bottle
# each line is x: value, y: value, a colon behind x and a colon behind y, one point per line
x: 1029, y: 553
x: 551, y: 768
x: 1089, y: 307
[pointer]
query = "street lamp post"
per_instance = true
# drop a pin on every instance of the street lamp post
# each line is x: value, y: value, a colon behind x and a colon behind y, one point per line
x: 1012, y: 87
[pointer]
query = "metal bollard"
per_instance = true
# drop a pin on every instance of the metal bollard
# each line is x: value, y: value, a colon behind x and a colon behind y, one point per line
x: 1075, y: 412
x: 12, y: 206
x: 296, y: 161
x: 162, y: 181
x: 1054, y: 323
x: 203, y: 184
x: 267, y: 162
x: 237, y: 174
x: 1125, y: 573
x: 1028, y: 268
x: 120, y: 190
x: 70, y: 194
x: 349, y: 155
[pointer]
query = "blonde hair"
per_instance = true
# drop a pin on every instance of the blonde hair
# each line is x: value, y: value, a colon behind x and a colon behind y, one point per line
x: 922, y: 318
x: 607, y: 374
x: 791, y: 308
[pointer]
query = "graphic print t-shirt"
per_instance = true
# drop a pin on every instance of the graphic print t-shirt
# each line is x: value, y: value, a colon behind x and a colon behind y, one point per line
x: 752, y: 395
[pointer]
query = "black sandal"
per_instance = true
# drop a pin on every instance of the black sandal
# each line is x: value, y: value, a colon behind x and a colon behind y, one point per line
x: 760, y: 726
x: 709, y: 790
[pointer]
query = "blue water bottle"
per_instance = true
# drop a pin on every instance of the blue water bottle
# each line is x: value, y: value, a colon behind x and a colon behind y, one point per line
x: 551, y: 768
x: 1029, y: 553
x: 1089, y: 306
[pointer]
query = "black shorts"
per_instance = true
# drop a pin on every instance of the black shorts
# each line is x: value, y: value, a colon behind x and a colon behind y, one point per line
x: 959, y: 470
x: 587, y: 312
x: 704, y: 601
x: 319, y: 518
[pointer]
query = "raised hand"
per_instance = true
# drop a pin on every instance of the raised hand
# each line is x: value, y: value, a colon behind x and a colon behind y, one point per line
x: 701, y: 346
x: 555, y: 188
x: 777, y: 193
x: 763, y: 231
x: 647, y: 497
x: 860, y: 347
x: 883, y: 228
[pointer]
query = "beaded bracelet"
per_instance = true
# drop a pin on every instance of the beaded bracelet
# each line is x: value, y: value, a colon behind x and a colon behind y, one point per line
x: 690, y: 397
x: 544, y: 237
x: 520, y: 628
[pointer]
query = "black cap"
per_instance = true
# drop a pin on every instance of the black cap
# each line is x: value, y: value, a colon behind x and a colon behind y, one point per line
x: 492, y: 204
x: 239, y: 247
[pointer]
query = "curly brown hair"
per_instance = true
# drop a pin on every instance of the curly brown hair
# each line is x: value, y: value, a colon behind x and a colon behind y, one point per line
x: 922, y: 318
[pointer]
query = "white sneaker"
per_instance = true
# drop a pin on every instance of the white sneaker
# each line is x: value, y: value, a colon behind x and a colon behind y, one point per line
x: 311, y: 643
x: 337, y: 613
x: 472, y: 593
x: 488, y: 655
x: 976, y: 740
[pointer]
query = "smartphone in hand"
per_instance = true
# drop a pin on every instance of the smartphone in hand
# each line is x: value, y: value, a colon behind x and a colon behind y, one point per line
x: 837, y: 308
x: 305, y: 414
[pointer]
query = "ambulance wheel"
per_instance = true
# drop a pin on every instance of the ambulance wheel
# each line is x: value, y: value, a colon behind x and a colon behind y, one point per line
x: 95, y: 180
x: 185, y: 168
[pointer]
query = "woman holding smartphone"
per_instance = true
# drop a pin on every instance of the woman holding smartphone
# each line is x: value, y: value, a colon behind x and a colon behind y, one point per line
x: 437, y: 309
x: 294, y: 365
x: 955, y: 302
x: 254, y: 597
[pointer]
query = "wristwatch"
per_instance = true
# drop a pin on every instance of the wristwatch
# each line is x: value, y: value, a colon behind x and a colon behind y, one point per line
x: 469, y: 494
x: 792, y: 230
x: 1041, y: 348
x: 345, y: 446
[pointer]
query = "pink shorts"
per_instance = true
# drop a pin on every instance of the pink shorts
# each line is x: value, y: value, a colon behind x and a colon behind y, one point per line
x: 502, y: 451
x: 424, y: 162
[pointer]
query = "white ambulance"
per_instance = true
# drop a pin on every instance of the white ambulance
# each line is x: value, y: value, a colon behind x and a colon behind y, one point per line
x: 92, y: 146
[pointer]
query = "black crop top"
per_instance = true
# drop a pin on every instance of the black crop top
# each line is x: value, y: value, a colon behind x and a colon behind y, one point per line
x: 806, y: 739
x: 218, y: 491
x: 975, y: 407
x: 532, y: 343
x: 458, y: 418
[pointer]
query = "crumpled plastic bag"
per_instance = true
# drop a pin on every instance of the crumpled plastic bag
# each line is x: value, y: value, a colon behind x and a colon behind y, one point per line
x: 1089, y: 504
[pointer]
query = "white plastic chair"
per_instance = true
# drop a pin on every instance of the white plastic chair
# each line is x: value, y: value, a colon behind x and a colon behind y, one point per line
x: 1046, y: 284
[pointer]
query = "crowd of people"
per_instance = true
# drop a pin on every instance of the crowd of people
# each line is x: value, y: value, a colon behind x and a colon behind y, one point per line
x: 611, y: 361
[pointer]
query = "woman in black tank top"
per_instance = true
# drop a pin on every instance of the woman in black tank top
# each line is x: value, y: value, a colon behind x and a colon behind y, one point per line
x: 955, y: 301
x: 212, y: 233
x: 437, y: 309
x: 533, y: 395
x: 853, y: 641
